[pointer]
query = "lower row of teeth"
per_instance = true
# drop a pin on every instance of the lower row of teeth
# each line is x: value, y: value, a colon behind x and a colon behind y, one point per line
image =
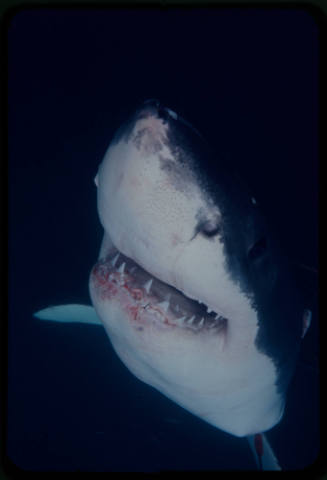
x: 193, y: 322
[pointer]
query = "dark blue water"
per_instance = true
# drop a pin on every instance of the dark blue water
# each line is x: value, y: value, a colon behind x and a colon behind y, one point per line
x: 248, y: 80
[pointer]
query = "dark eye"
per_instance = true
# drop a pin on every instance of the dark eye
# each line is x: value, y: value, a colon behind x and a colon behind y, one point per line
x: 209, y: 228
x: 258, y: 249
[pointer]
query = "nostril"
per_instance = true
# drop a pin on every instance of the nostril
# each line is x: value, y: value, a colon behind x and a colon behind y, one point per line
x: 258, y: 249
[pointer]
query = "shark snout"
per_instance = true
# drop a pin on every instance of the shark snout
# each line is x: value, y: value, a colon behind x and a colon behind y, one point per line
x: 154, y: 106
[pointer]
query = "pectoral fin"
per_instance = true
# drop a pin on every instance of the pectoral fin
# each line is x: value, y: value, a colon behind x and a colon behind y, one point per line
x: 69, y: 314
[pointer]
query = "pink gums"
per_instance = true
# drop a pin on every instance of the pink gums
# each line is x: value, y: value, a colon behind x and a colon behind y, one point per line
x: 139, y: 306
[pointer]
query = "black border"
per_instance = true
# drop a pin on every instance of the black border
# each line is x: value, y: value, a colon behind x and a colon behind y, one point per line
x: 8, y: 9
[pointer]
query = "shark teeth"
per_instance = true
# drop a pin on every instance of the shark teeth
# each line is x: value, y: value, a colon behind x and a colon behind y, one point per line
x: 197, y: 326
x: 164, y: 305
x: 180, y: 321
x: 196, y: 317
x: 147, y: 285
x: 121, y: 269
x: 190, y: 321
x: 114, y: 260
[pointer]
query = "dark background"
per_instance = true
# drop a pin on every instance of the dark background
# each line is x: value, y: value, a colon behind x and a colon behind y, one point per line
x: 248, y: 79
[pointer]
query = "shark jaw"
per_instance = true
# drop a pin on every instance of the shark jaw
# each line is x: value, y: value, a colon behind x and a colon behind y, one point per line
x: 146, y: 300
x: 174, y: 344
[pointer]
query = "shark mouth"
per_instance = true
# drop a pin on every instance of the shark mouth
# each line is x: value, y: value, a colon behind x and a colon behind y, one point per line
x: 147, y: 299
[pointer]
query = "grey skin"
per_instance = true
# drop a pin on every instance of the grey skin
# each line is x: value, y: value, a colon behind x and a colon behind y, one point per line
x: 170, y: 204
x: 216, y: 324
x: 254, y: 259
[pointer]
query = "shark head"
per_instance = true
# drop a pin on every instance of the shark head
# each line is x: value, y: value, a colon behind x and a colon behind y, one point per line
x: 190, y: 284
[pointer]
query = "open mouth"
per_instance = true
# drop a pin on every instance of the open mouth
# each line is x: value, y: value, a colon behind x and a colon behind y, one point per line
x: 147, y: 296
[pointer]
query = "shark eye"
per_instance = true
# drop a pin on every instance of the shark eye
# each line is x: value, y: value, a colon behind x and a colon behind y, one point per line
x: 209, y: 228
x: 258, y: 249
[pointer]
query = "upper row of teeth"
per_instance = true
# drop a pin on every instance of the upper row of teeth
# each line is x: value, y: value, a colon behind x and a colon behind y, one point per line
x: 164, y: 305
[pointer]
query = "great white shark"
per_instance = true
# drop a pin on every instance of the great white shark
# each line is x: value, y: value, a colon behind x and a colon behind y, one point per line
x: 190, y: 284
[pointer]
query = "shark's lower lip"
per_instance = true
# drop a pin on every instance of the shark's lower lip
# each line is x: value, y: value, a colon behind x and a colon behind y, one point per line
x: 167, y: 303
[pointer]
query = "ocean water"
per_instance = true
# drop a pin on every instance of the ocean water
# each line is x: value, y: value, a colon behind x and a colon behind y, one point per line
x: 248, y: 80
